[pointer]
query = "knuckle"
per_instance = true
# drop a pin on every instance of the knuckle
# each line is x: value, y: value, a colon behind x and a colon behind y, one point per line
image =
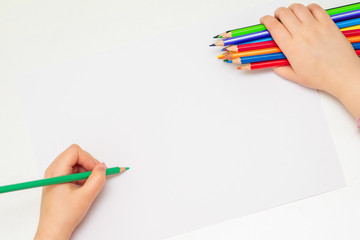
x: 270, y: 25
x: 269, y: 22
x: 74, y: 146
x: 315, y: 7
x: 73, y: 149
x: 296, y: 6
x: 265, y: 19
x: 281, y: 11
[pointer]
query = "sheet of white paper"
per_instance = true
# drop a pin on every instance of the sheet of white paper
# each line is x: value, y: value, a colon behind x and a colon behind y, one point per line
x: 205, y: 142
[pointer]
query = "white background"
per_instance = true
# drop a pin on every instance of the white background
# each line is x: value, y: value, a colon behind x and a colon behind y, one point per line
x: 33, y: 37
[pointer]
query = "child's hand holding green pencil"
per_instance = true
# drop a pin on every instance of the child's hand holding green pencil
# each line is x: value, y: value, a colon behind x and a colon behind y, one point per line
x: 63, y: 206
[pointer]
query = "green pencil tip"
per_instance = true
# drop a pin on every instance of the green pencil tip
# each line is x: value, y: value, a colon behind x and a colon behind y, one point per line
x: 127, y: 168
x: 225, y: 60
x: 219, y: 37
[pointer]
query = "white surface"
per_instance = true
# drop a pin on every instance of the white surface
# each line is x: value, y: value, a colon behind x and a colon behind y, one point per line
x: 202, y: 148
x: 36, y: 35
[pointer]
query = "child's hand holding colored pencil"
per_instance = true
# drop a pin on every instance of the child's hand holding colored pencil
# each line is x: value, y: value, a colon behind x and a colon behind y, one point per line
x: 63, y: 206
x: 320, y: 55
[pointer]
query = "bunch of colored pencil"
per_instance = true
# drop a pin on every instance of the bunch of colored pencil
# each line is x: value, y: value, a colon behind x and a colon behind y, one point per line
x: 254, y: 48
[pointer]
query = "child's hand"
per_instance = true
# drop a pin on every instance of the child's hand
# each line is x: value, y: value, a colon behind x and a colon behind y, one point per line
x: 63, y: 206
x: 320, y: 55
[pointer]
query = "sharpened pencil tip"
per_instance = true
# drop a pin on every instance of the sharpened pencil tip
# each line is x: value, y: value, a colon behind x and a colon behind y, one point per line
x: 239, y: 68
x: 212, y: 45
x: 229, y: 61
x: 216, y: 36
x: 123, y: 169
x: 225, y: 60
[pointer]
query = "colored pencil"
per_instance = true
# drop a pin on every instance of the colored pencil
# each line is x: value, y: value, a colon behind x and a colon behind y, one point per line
x: 346, y: 15
x: 234, y: 55
x: 261, y: 27
x: 251, y: 46
x: 242, y: 39
x: 266, y: 33
x: 268, y: 44
x: 348, y: 23
x: 344, y: 8
x: 57, y: 180
x: 257, y: 58
x: 270, y: 64
x: 271, y: 56
x: 351, y: 28
x: 265, y: 64
x: 260, y: 40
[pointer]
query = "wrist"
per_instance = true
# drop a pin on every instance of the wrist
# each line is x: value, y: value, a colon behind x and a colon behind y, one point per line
x: 348, y: 92
x: 52, y: 233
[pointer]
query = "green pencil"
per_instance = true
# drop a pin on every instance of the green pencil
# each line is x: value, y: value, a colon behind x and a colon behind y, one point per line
x: 261, y: 27
x: 57, y: 180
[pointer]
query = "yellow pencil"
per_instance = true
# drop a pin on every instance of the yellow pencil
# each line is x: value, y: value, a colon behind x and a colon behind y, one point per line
x: 350, y: 28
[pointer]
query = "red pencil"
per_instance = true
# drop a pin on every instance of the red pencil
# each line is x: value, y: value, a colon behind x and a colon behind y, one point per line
x: 273, y: 63
x: 251, y: 46
x: 266, y: 64
x: 269, y: 44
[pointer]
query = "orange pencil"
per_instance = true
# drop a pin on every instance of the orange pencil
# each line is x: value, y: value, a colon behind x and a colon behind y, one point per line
x: 234, y: 55
x: 354, y: 39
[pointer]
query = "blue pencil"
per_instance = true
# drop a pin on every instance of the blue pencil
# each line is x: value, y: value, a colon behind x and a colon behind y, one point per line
x: 348, y: 23
x: 346, y: 15
x: 255, y: 41
x: 258, y: 58
x: 265, y: 34
x: 270, y: 56
x: 260, y: 40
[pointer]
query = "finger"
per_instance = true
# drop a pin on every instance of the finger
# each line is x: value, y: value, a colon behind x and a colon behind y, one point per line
x: 288, y: 19
x: 95, y: 182
x: 286, y: 72
x: 79, y: 169
x: 76, y: 168
x: 279, y: 33
x: 76, y: 155
x: 319, y: 13
x: 65, y: 162
x: 302, y: 13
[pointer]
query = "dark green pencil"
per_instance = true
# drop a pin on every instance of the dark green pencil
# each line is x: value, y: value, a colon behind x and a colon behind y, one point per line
x: 57, y: 180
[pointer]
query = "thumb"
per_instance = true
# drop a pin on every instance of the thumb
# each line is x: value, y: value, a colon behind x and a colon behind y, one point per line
x: 286, y: 72
x: 95, y: 182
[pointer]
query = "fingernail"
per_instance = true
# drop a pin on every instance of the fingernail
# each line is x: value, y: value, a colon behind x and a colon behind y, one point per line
x: 102, y: 165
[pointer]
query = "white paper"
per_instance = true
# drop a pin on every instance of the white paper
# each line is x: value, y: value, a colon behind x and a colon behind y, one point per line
x: 205, y: 142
